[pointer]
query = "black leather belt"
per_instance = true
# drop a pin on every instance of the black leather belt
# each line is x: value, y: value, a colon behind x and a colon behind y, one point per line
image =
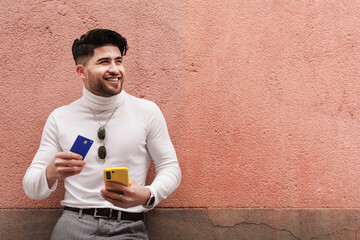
x: 108, y: 213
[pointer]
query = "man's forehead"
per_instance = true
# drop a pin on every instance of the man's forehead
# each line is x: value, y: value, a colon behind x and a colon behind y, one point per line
x: 109, y: 51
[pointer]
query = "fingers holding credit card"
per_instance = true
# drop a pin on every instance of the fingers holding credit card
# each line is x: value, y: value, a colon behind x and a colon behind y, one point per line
x: 64, y: 164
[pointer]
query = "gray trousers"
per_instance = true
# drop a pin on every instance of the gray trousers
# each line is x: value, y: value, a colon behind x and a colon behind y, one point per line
x: 74, y: 226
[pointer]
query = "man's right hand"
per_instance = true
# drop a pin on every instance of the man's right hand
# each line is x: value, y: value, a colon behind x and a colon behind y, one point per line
x: 65, y: 164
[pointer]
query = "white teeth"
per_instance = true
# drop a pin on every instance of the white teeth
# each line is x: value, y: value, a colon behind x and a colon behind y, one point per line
x: 112, y: 79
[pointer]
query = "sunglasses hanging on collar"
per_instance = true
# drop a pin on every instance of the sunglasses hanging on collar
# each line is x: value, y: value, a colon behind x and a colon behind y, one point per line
x: 102, y: 134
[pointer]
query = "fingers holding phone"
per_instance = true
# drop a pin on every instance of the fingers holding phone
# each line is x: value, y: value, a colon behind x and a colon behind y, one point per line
x: 120, y: 191
x: 126, y: 197
x: 116, y: 184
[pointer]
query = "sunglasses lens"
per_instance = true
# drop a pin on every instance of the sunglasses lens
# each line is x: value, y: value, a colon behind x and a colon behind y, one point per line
x: 101, y: 133
x: 102, y: 152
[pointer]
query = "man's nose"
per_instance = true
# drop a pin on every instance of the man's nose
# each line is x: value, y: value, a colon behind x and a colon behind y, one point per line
x: 113, y: 68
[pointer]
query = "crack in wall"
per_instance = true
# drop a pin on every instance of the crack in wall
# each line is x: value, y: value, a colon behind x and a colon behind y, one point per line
x: 259, y: 225
x: 328, y: 235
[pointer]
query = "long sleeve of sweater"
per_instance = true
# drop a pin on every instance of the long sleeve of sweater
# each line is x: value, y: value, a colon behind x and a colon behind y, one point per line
x: 34, y: 182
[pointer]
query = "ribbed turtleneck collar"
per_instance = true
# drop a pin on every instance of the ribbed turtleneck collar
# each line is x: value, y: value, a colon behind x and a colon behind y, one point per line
x: 99, y: 103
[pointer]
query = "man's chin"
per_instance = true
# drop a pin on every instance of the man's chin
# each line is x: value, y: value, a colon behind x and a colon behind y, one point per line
x: 113, y: 89
x: 111, y: 93
x: 107, y: 92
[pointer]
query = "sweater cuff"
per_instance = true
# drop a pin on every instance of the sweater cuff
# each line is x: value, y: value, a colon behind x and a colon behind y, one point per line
x: 45, y: 183
x: 152, y: 194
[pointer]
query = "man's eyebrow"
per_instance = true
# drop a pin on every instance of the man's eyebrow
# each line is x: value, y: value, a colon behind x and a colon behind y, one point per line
x: 102, y: 59
x: 108, y: 58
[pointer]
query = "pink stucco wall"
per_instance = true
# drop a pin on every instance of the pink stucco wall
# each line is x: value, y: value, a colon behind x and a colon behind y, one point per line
x: 261, y: 97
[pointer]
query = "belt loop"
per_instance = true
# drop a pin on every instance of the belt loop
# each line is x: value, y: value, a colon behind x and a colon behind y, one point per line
x: 119, y: 216
x: 80, y: 213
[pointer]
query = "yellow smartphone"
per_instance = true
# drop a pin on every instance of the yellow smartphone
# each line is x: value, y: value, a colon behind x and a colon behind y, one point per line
x: 116, y: 174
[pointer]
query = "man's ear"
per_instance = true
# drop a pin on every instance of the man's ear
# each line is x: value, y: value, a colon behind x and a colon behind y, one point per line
x: 81, y: 71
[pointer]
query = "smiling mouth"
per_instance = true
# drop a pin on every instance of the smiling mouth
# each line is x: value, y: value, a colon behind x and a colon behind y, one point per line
x: 112, y: 79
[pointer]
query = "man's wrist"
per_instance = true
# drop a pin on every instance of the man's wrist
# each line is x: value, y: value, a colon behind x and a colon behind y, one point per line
x: 50, y: 180
x: 151, y: 200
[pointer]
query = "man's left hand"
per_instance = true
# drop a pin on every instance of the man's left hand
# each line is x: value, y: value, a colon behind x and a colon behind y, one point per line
x: 131, y: 196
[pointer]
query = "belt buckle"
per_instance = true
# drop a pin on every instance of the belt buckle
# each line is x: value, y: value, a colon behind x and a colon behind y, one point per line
x: 100, y: 216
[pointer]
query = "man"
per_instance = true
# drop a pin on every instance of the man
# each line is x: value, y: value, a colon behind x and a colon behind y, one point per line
x: 136, y: 132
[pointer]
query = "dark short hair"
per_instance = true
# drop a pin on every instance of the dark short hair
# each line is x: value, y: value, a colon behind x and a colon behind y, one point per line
x: 83, y: 48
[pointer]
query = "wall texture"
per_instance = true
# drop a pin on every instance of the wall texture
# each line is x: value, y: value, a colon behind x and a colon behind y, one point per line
x: 260, y: 97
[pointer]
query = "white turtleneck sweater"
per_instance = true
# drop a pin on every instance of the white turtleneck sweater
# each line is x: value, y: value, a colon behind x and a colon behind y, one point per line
x: 135, y: 134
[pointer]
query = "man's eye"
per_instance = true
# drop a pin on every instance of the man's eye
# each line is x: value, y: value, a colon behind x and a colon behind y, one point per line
x: 103, y: 62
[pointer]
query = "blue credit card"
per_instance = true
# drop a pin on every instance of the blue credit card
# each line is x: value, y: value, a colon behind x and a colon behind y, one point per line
x: 81, y: 146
